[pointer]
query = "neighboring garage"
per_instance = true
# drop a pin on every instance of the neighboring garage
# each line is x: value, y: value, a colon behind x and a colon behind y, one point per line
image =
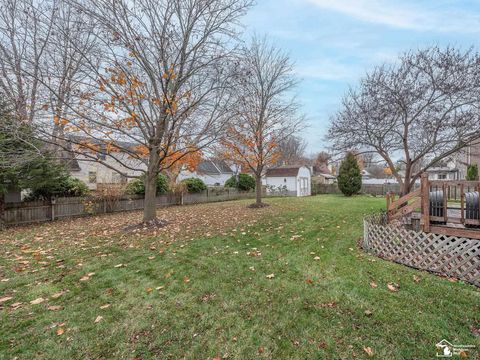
x: 291, y: 180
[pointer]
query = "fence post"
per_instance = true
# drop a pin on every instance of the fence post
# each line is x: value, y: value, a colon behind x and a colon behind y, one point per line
x: 52, y: 209
x: 387, y: 196
x: 425, y: 188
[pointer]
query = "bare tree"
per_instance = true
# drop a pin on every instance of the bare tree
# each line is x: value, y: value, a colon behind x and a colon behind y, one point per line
x: 322, y: 158
x: 159, y: 90
x: 292, y: 150
x: 23, y: 42
x: 266, y: 113
x: 421, y: 110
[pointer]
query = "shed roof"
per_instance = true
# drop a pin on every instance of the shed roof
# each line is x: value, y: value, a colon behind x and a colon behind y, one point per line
x: 283, y: 171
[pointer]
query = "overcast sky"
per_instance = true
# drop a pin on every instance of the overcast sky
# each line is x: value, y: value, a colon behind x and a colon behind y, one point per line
x: 334, y: 42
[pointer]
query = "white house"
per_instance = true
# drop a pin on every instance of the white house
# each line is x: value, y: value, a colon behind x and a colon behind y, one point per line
x: 211, y: 172
x: 292, y: 180
x: 93, y: 173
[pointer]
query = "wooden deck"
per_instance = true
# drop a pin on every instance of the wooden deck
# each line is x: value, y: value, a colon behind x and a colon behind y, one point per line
x: 445, y: 214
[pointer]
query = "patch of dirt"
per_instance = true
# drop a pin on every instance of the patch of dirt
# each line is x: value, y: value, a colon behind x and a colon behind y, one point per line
x: 153, y: 224
x: 258, y: 206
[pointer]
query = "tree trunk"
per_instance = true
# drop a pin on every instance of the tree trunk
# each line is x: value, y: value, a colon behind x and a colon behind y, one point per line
x: 258, y: 189
x: 150, y: 209
x: 406, y: 186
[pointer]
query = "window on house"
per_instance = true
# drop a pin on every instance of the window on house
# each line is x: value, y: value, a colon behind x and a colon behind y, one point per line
x: 92, y: 177
x: 442, y: 176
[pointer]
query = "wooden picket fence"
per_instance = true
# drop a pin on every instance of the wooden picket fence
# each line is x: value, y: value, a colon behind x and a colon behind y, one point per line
x: 40, y: 211
x: 452, y: 256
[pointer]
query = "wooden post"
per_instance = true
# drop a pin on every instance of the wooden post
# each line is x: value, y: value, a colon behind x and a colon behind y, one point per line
x: 52, y: 209
x: 445, y: 210
x: 425, y: 202
x: 388, y: 205
x: 462, y: 203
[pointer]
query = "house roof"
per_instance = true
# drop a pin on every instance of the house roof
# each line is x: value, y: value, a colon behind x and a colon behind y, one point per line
x: 283, y: 171
x: 321, y: 169
x: 214, y: 167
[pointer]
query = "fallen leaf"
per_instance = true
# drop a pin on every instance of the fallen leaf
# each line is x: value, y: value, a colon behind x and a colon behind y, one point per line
x: 309, y: 281
x: 37, y: 301
x: 416, y: 278
x: 368, y: 350
x: 475, y: 330
x: 54, y: 307
x: 392, y: 287
x: 4, y: 299
x: 85, y: 278
x: 98, y: 319
x: 186, y: 280
x: 368, y: 313
x: 149, y: 290
x: 261, y: 350
x: 316, y: 258
x: 373, y: 285
x: 16, y: 305
x: 271, y: 276
x: 119, y: 265
x: 57, y: 295
x: 106, y: 306
x: 60, y: 331
x: 160, y: 288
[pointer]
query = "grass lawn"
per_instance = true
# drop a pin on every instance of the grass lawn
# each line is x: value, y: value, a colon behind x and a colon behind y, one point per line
x: 223, y: 281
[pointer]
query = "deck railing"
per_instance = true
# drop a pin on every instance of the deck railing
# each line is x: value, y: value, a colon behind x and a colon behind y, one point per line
x: 445, y: 207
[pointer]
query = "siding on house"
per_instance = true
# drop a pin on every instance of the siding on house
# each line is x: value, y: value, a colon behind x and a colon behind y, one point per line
x: 93, y: 173
x: 296, y: 179
x: 211, y: 172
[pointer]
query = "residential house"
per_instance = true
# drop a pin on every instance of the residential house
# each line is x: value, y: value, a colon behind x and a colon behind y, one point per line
x: 290, y: 180
x: 211, y: 172
x: 470, y: 155
x: 322, y: 175
x: 115, y: 168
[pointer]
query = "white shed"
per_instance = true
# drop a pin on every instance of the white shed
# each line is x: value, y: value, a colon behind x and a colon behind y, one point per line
x: 292, y: 180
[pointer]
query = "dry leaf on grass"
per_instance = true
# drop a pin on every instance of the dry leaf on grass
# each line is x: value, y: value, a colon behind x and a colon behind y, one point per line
x: 106, y: 306
x: 54, y: 307
x: 186, y: 280
x: 271, y: 276
x: 392, y: 287
x: 4, y: 299
x: 373, y: 285
x: 60, y: 331
x: 368, y: 350
x: 37, y: 301
x: 98, y: 319
x: 416, y: 278
x: 57, y: 295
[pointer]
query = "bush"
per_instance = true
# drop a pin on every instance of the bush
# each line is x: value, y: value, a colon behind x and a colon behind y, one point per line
x: 194, y: 185
x: 349, y: 176
x: 245, y: 182
x: 472, y: 172
x: 65, y: 187
x: 137, y: 186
